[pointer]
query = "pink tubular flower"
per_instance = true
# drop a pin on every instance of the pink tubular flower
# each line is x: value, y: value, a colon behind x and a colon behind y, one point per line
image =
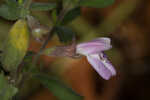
x: 93, y: 50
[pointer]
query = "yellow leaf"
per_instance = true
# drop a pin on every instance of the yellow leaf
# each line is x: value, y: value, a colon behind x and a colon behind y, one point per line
x: 15, y: 46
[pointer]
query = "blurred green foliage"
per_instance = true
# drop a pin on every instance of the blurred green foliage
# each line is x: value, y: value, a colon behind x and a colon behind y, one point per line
x: 7, y: 91
x: 59, y: 89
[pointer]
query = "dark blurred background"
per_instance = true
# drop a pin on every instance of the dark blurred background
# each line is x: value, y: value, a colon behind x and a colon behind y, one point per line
x: 127, y: 22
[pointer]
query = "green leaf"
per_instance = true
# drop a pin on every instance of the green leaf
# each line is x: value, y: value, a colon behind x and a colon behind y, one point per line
x: 96, y: 3
x: 7, y: 91
x: 71, y: 15
x: 9, y: 13
x: 59, y: 89
x: 65, y: 34
x: 42, y: 6
x: 15, y: 46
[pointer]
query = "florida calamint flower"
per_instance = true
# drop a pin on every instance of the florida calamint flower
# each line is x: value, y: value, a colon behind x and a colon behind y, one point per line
x: 93, y: 50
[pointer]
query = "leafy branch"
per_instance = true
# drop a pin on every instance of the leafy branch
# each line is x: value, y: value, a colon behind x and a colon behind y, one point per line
x: 14, y: 57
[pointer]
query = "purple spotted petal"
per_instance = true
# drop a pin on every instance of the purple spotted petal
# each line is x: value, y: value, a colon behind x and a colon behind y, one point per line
x: 94, y: 46
x: 104, y: 69
x: 107, y: 63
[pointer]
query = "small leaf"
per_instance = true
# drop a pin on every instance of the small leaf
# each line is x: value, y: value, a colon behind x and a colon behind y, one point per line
x: 7, y: 91
x: 71, y: 15
x: 65, y: 34
x: 15, y: 46
x: 9, y: 13
x: 96, y: 3
x: 60, y: 90
x: 42, y: 6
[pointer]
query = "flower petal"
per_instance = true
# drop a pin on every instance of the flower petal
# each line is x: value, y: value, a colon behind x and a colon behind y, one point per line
x: 105, y: 70
x: 107, y: 63
x: 103, y: 40
x: 94, y: 46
